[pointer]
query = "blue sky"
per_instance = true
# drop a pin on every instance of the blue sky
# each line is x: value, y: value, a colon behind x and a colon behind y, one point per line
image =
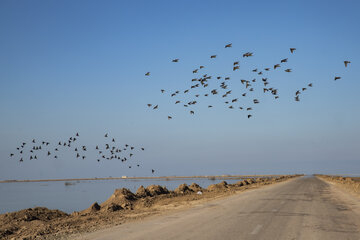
x: 78, y: 66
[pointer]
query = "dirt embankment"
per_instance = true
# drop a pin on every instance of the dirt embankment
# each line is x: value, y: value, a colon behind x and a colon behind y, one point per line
x: 351, y: 184
x: 121, y: 207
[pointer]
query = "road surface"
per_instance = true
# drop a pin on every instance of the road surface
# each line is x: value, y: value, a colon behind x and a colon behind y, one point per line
x: 303, y: 208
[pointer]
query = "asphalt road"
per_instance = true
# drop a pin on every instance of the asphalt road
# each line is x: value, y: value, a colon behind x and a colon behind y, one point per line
x: 303, y: 208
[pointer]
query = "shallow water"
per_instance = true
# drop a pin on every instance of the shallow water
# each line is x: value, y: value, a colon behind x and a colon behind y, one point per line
x: 80, y: 195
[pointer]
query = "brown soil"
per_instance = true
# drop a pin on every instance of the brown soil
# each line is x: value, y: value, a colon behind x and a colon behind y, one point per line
x: 122, y: 206
x: 351, y: 184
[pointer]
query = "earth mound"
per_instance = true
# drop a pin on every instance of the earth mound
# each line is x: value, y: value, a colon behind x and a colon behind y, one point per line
x: 155, y: 190
x: 31, y: 214
x: 219, y: 186
x: 195, y: 187
x: 183, y: 188
x: 142, y: 192
x: 121, y: 199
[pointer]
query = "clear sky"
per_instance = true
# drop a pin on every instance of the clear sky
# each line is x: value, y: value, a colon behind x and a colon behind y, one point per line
x: 78, y: 66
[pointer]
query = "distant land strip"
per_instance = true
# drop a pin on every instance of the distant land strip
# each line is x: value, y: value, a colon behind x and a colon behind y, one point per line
x: 141, y: 178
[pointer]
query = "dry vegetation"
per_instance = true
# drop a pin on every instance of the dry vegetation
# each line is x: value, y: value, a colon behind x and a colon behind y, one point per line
x: 123, y: 206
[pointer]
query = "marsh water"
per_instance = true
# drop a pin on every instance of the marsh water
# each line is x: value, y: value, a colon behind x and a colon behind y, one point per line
x: 78, y: 195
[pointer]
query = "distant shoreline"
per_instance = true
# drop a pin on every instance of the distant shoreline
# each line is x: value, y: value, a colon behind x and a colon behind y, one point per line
x: 139, y: 178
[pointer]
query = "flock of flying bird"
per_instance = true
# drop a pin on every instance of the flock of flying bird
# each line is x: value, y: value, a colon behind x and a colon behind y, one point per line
x: 107, y: 151
x: 110, y: 150
x: 203, y: 81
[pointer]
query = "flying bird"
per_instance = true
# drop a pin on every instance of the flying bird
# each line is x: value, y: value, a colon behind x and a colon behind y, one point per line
x: 175, y: 60
x: 337, y: 78
x: 292, y: 50
x: 228, y: 45
x: 147, y: 74
x: 346, y: 63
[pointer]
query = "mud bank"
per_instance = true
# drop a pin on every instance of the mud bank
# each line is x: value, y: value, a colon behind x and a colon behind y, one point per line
x: 122, y: 206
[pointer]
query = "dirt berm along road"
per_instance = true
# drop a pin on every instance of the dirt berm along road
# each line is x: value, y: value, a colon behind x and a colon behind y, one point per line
x: 303, y: 208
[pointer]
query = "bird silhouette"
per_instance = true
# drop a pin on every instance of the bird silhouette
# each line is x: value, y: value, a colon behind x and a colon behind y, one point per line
x: 175, y: 60
x: 228, y: 45
x: 147, y: 74
x: 337, y: 78
x: 346, y: 63
x: 292, y: 50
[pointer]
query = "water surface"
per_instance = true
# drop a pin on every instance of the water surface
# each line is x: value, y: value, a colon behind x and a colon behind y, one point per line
x: 78, y: 195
